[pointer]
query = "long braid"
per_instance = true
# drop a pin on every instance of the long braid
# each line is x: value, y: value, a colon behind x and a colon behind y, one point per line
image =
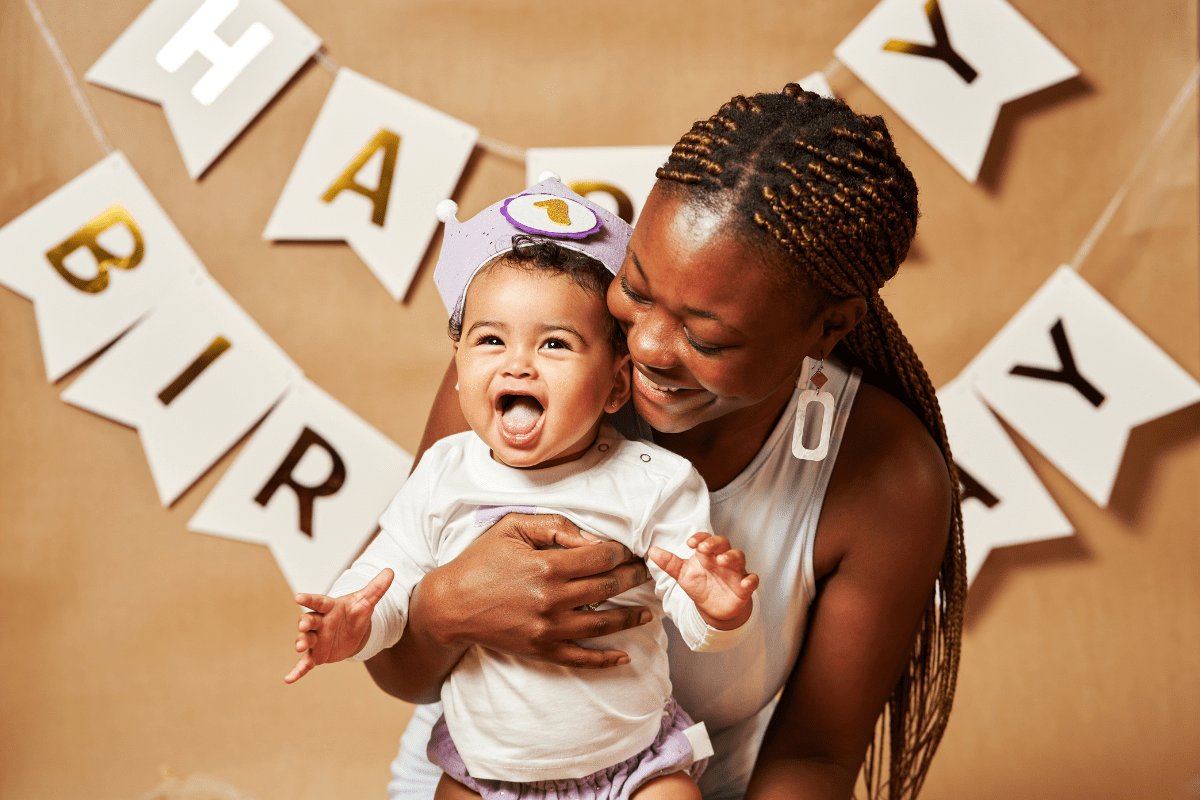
x: 828, y: 187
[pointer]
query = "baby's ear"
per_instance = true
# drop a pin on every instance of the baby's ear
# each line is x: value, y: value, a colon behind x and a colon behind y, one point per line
x: 622, y: 383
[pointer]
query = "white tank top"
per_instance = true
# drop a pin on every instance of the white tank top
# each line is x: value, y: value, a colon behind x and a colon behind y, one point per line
x: 770, y: 511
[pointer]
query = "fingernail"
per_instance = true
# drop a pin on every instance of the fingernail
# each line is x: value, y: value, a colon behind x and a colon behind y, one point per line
x: 588, y: 536
x: 643, y: 617
x: 622, y: 661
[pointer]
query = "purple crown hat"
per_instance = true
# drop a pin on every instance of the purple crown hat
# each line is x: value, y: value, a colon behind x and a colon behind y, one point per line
x: 547, y: 209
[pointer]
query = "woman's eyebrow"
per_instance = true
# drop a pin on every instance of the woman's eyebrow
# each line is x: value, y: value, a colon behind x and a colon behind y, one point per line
x: 694, y: 312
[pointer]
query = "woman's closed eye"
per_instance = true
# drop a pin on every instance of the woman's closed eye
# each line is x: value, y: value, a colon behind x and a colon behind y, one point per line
x: 631, y: 294
x: 702, y: 347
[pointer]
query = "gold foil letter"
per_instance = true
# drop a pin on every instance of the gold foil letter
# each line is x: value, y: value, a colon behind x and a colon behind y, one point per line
x: 219, y: 345
x: 305, y: 494
x: 556, y: 210
x: 390, y: 142
x: 624, y: 204
x: 86, y: 237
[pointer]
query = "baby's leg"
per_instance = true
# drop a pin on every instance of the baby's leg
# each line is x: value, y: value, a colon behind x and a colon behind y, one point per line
x: 450, y: 789
x: 676, y: 786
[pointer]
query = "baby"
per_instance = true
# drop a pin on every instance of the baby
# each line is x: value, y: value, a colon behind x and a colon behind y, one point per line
x: 540, y: 361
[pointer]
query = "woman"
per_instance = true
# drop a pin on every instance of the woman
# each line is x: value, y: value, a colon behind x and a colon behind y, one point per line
x: 759, y: 254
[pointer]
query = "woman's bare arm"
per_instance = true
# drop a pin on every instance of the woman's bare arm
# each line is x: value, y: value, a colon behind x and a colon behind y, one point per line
x: 507, y: 593
x: 881, y: 540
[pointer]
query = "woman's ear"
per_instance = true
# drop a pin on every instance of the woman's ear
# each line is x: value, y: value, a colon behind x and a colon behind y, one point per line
x: 836, y: 321
x: 622, y: 383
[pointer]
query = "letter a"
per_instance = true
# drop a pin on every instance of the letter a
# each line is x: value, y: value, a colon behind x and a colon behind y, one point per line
x: 941, y: 49
x: 87, y: 237
x: 305, y: 494
x: 390, y: 142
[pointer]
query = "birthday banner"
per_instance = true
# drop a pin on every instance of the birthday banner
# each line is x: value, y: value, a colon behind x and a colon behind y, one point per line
x: 194, y: 373
x: 310, y: 484
x: 209, y: 89
x: 94, y: 257
x: 374, y: 166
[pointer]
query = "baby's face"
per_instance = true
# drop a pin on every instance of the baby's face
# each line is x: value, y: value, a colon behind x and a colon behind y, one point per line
x: 536, y: 370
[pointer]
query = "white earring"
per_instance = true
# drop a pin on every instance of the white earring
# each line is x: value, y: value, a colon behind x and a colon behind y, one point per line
x: 806, y: 415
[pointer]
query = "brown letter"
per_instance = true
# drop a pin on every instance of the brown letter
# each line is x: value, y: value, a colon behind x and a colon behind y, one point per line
x: 305, y: 494
x: 941, y: 50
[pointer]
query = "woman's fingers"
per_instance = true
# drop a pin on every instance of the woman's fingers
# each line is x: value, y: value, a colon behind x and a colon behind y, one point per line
x: 569, y: 654
x: 584, y: 562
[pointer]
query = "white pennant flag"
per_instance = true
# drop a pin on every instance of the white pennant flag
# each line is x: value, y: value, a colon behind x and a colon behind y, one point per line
x: 816, y: 82
x: 1074, y: 376
x: 1003, y: 503
x: 93, y: 257
x: 213, y: 65
x: 617, y: 178
x: 311, y: 483
x: 947, y: 66
x: 375, y: 166
x: 192, y: 377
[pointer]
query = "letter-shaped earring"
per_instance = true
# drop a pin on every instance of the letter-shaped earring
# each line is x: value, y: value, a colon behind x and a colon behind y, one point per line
x: 814, y: 407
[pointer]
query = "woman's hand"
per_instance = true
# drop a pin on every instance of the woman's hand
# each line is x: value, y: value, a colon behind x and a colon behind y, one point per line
x: 507, y: 592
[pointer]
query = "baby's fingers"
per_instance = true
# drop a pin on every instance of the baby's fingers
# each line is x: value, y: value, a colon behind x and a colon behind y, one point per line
x: 317, y: 602
x: 666, y: 560
x: 733, y: 560
x: 301, y: 669
x: 747, y: 585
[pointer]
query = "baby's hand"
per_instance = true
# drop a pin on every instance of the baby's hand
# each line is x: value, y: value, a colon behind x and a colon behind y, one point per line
x: 337, y: 627
x: 715, y: 578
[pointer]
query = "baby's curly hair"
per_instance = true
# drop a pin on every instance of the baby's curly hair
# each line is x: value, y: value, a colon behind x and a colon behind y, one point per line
x: 546, y: 255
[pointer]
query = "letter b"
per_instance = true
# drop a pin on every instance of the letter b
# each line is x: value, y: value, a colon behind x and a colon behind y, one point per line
x: 87, y: 236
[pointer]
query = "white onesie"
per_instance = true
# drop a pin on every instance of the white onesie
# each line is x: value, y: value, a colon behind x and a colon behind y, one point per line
x: 770, y: 511
x: 516, y: 719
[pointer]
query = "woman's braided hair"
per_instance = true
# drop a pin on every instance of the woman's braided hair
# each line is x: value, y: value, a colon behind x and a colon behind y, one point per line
x: 826, y: 186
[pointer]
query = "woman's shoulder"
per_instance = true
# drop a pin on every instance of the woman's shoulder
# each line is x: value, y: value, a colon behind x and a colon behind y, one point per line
x: 890, y: 491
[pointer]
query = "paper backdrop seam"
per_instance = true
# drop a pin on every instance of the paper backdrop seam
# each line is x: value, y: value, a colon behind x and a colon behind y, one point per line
x: 1110, y: 211
x: 76, y: 91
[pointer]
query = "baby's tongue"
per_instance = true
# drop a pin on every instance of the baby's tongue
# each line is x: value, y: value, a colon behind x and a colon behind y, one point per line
x: 521, y: 415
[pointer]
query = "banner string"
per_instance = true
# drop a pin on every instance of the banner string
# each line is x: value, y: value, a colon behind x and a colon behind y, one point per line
x: 495, y: 146
x: 76, y: 91
x: 1189, y: 86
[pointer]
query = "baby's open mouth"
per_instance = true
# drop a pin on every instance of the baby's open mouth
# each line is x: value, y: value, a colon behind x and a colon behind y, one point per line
x: 519, y: 414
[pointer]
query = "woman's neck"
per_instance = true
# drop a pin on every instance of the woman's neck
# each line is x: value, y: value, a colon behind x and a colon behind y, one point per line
x: 721, y: 448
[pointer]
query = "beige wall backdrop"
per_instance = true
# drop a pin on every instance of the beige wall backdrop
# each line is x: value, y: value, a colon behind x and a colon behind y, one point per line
x: 128, y: 644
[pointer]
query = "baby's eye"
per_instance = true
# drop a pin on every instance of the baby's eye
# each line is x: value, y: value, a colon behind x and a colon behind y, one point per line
x: 556, y: 344
x: 490, y: 340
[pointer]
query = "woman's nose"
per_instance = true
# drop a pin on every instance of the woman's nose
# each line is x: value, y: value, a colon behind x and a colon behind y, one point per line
x: 651, y: 342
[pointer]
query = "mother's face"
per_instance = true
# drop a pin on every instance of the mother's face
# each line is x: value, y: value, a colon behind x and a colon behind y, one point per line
x: 711, y: 329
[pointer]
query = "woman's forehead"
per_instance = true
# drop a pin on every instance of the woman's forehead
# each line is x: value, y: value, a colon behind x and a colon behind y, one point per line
x: 693, y: 257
